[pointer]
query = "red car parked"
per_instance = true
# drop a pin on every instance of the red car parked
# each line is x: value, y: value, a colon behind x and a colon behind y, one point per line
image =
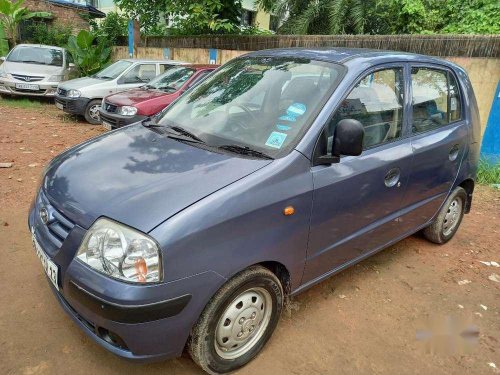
x: 128, y: 107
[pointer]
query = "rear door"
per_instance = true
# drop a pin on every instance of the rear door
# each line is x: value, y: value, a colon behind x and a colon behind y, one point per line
x: 357, y: 201
x: 439, y: 141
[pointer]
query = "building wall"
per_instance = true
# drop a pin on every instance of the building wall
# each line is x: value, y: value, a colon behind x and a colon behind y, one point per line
x: 63, y: 15
x: 483, y: 72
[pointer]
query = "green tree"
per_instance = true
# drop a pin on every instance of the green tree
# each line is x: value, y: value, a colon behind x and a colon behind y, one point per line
x: 91, y: 54
x: 11, y: 14
x: 110, y: 28
x: 185, y: 16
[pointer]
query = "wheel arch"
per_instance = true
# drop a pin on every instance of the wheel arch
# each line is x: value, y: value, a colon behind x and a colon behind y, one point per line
x: 468, y: 185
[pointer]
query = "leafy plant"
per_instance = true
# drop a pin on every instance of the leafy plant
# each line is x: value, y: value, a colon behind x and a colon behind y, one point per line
x: 89, y: 52
x: 488, y: 172
x: 110, y: 28
x: 53, y: 35
x: 12, y: 13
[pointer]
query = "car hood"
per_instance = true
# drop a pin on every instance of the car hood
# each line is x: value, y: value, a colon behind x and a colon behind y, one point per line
x: 138, y: 177
x: 31, y: 69
x: 79, y: 83
x: 136, y: 96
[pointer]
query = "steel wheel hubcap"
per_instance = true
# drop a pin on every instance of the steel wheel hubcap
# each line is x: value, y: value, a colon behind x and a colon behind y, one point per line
x: 243, y: 323
x: 94, y: 112
x: 452, y: 216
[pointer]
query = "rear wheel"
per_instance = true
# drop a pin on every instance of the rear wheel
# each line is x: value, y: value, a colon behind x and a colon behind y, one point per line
x: 237, y: 322
x: 449, y: 218
x: 92, y: 115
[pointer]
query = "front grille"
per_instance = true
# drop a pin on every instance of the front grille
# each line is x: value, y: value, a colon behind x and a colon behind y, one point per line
x: 41, y: 91
x: 115, y: 123
x: 62, y: 92
x: 111, y: 108
x: 28, y: 79
x: 58, y: 227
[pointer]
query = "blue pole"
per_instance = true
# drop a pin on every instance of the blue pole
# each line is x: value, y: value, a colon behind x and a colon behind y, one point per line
x: 131, y: 38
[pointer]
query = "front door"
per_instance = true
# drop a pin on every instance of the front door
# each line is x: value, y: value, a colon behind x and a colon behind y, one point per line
x: 357, y: 201
x: 439, y: 140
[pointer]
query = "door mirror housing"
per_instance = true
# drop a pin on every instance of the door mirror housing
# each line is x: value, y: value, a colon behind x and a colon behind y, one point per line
x: 3, y: 58
x: 347, y: 140
x: 71, y: 65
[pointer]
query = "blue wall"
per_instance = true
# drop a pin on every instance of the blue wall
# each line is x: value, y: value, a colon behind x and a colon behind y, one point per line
x: 491, y: 140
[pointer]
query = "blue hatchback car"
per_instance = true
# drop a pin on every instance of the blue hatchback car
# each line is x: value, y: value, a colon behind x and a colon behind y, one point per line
x: 282, y: 168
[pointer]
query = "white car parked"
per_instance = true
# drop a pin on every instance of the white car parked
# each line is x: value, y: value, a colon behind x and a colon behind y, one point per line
x: 34, y: 70
x: 83, y: 96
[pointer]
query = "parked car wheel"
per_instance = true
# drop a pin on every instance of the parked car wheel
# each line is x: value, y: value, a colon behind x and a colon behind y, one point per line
x: 448, y: 219
x: 92, y: 115
x: 237, y: 322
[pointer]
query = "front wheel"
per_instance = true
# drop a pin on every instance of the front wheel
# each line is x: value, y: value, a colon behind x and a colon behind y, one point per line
x: 237, y: 322
x: 92, y: 115
x: 448, y: 219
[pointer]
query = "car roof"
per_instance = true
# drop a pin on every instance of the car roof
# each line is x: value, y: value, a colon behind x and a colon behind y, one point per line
x: 154, y: 61
x: 342, y: 55
x: 202, y: 66
x: 38, y: 45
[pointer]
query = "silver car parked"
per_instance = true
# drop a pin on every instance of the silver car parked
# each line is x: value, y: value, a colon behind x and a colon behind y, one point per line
x: 34, y: 70
x: 83, y: 96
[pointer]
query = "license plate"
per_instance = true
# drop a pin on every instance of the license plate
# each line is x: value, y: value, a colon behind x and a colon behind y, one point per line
x: 106, y: 125
x: 27, y: 86
x: 49, y: 267
x: 59, y: 105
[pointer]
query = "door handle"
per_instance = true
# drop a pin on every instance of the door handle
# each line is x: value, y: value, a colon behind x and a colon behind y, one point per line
x: 454, y: 152
x: 392, y: 178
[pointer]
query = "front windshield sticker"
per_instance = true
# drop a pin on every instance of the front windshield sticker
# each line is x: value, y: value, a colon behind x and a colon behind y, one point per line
x: 288, y: 118
x: 283, y: 127
x: 276, y: 139
x: 296, y: 110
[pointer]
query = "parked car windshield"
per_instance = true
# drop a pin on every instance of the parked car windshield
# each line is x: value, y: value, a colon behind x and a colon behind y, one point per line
x: 114, y: 70
x: 36, y: 55
x: 172, y: 80
x: 262, y: 103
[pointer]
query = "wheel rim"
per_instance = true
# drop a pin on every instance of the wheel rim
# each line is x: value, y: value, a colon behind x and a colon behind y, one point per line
x: 452, y: 216
x: 94, y: 112
x: 243, y: 323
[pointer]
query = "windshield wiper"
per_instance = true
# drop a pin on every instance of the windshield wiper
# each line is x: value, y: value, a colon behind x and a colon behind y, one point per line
x: 186, y: 133
x: 245, y: 150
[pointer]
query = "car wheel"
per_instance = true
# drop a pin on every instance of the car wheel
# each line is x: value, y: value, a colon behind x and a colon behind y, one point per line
x: 237, y: 322
x: 92, y: 115
x: 448, y: 219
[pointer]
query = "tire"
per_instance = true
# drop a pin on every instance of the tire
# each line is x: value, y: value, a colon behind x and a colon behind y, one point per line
x: 91, y: 116
x: 253, y: 298
x: 448, y: 219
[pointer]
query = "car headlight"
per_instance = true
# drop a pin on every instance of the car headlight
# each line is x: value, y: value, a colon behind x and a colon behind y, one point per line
x: 56, y: 78
x: 4, y: 74
x: 73, y: 94
x: 121, y: 252
x: 128, y: 111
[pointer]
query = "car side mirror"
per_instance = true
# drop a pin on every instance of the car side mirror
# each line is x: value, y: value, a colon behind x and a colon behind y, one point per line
x: 2, y: 58
x: 347, y: 140
x: 71, y: 65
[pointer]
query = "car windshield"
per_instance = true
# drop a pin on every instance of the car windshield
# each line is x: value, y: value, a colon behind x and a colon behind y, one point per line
x: 114, y: 70
x: 264, y: 104
x: 172, y: 80
x: 36, y: 55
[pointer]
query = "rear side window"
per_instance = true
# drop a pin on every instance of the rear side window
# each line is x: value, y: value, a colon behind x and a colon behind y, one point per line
x: 376, y: 102
x: 436, y: 99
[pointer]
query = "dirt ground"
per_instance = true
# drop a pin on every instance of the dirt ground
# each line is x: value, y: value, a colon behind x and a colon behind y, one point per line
x: 365, y: 320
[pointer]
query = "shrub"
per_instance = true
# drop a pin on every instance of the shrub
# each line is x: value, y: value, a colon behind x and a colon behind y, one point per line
x: 90, y: 53
x: 110, y: 28
x: 41, y: 33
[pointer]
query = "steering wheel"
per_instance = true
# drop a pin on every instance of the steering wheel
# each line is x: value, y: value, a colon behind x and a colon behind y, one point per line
x: 244, y: 125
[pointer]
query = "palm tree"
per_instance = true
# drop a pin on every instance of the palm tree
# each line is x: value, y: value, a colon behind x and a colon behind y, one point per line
x: 11, y: 14
x: 321, y: 16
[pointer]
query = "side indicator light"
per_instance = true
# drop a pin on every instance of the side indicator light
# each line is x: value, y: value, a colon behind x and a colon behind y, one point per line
x: 289, y: 211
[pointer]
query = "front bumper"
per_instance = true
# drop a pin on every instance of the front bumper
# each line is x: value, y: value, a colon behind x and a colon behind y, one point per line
x: 45, y: 89
x: 72, y: 106
x: 118, y: 121
x: 141, y: 323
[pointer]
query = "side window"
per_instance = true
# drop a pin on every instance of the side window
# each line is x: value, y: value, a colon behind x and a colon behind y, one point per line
x: 436, y: 99
x: 376, y: 102
x: 141, y: 73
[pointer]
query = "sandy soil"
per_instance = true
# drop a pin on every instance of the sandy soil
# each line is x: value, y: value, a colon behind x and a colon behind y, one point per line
x: 364, y: 320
